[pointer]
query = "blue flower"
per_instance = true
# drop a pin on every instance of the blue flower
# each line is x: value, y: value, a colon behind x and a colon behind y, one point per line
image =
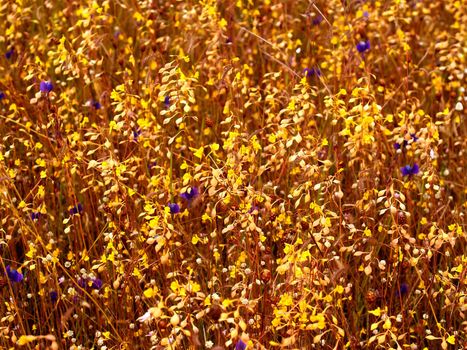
x: 82, y: 282
x: 312, y: 72
x: 35, y: 216
x: 96, y: 283
x: 174, y: 208
x: 136, y: 134
x: 46, y: 86
x: 96, y: 104
x: 167, y: 101
x: 2, y: 95
x: 77, y: 209
x: 13, y: 274
x: 9, y: 53
x: 240, y: 345
x: 317, y: 20
x: 363, y: 46
x: 410, y: 170
x: 403, y: 290
x: 253, y: 209
x: 53, y: 296
x: 190, y: 194
x: 404, y: 144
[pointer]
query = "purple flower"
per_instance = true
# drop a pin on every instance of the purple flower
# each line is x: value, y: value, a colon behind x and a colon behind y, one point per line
x: 136, y: 134
x: 96, y: 283
x: 167, y: 101
x: 363, y: 46
x: 82, y: 282
x: 46, y: 86
x: 253, y: 209
x: 410, y: 170
x: 53, y: 296
x: 35, y: 216
x: 2, y: 95
x: 240, y: 345
x: 317, y: 20
x: 312, y: 72
x: 96, y: 104
x: 9, y: 53
x: 190, y: 194
x: 404, y: 144
x: 174, y: 208
x: 13, y: 274
x: 403, y: 289
x: 77, y: 209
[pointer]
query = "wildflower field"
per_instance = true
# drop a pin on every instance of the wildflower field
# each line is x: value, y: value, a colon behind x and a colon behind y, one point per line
x: 270, y: 174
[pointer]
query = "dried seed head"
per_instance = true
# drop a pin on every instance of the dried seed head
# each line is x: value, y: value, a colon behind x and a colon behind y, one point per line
x: 215, y: 312
x: 266, y: 275
x: 371, y: 296
x: 401, y: 218
x: 209, y: 122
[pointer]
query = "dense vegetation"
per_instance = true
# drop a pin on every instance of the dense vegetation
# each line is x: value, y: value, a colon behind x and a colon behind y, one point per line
x: 233, y: 174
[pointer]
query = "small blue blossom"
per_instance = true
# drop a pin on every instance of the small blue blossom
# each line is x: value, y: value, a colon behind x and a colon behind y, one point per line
x: 363, y: 46
x: 136, y: 134
x: 366, y: 14
x: 410, y: 170
x: 2, y: 95
x: 167, y: 101
x: 96, y: 283
x: 174, y: 208
x: 14, y: 275
x: 190, y: 194
x: 46, y: 86
x: 404, y: 144
x: 35, y: 216
x: 312, y: 72
x: 253, y: 209
x: 240, y: 345
x: 317, y: 20
x: 82, y: 282
x: 77, y: 209
x: 53, y: 296
x: 96, y: 104
x: 9, y: 53
x: 403, y: 290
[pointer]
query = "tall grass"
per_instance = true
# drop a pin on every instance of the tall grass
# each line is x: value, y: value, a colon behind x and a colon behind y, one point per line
x: 219, y: 175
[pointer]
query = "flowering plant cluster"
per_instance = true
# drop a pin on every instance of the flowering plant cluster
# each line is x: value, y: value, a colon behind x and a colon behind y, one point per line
x: 239, y: 175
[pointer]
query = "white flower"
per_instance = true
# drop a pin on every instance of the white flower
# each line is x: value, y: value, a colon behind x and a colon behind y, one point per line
x: 209, y: 344
x: 147, y: 316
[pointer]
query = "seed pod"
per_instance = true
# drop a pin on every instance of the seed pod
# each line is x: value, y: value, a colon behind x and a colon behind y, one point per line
x: 209, y: 122
x: 215, y: 312
x: 266, y: 275
x: 401, y: 218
